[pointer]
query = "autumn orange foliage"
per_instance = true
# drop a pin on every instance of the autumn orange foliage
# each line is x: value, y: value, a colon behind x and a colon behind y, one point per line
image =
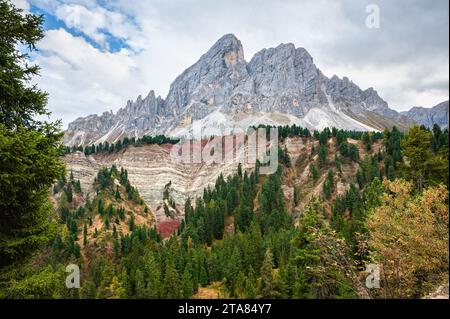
x: 409, y: 237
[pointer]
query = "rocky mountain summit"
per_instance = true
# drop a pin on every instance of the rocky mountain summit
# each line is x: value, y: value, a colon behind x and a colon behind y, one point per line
x: 430, y: 116
x: 223, y: 93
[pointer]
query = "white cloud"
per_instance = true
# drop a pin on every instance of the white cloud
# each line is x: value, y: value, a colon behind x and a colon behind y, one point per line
x: 84, y: 20
x: 94, y: 22
x: 403, y: 85
x: 82, y: 79
x: 22, y: 4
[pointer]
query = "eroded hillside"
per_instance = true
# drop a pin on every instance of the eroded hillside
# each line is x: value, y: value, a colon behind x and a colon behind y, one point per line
x: 151, y: 170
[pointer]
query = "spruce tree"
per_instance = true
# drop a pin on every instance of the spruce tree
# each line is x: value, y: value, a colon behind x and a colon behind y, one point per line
x: 314, y: 172
x: 171, y: 281
x: 187, y: 285
x: 117, y: 194
x: 268, y: 286
x: 85, y: 235
x: 322, y: 155
x: 140, y: 285
x: 250, y: 289
x: 296, y: 195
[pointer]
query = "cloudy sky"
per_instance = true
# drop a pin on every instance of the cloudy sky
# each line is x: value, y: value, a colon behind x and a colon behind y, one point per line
x: 98, y: 54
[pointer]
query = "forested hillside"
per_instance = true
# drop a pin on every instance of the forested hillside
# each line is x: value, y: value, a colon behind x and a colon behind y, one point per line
x: 338, y: 202
x: 307, y: 231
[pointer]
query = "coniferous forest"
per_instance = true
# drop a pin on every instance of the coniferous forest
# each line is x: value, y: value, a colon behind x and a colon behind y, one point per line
x: 243, y: 238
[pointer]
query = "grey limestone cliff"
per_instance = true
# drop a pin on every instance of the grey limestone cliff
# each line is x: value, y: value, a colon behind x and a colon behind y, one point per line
x: 280, y: 85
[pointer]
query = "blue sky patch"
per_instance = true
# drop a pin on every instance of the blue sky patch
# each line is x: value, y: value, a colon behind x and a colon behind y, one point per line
x: 114, y: 44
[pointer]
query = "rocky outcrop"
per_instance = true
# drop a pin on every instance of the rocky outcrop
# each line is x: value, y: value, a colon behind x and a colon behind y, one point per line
x: 137, y: 118
x: 279, y: 86
x: 430, y: 116
x: 150, y: 169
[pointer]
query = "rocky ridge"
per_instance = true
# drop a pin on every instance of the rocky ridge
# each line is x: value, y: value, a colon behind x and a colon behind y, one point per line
x: 430, y: 116
x: 150, y: 169
x: 223, y: 93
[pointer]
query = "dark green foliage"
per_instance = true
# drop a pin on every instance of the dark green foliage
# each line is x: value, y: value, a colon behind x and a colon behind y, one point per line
x: 283, y: 156
x: 308, y: 261
x: 344, y: 148
x: 29, y: 149
x: 311, y: 263
x: 69, y: 193
x: 392, y: 140
x: 338, y: 163
x: 187, y: 286
x: 85, y: 235
x: 368, y: 171
x: 367, y: 138
x: 232, y: 197
x: 314, y: 172
x: 296, y: 195
x: 269, y: 286
x: 121, y: 144
x: 349, y: 150
x: 104, y: 177
x: 171, y: 282
x: 353, y: 152
x: 323, y: 137
x: 272, y: 214
x: 29, y: 164
x: 20, y: 102
x: 328, y: 185
x: 287, y: 131
x: 425, y: 166
x: 117, y: 194
x: 77, y: 186
x: 322, y: 155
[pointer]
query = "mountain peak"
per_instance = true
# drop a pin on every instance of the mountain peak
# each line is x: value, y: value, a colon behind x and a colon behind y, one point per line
x: 222, y: 85
x: 228, y: 43
x: 229, y: 37
x: 438, y: 114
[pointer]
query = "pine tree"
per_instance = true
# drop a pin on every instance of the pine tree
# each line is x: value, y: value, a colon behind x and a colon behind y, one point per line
x: 243, y: 218
x: 296, y: 195
x: 117, y: 194
x: 423, y: 167
x: 85, y: 235
x: 338, y: 163
x: 171, y: 281
x: 187, y: 285
x: 314, y: 172
x: 77, y: 186
x: 203, y: 274
x: 313, y: 151
x: 330, y: 183
x: 366, y: 137
x: 353, y: 152
x: 322, y: 155
x: 232, y: 267
x: 29, y: 150
x: 101, y: 207
x: 76, y: 250
x: 250, y: 290
x: 116, y: 247
x: 239, y: 283
x: 268, y: 287
x: 140, y: 285
x: 69, y: 193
